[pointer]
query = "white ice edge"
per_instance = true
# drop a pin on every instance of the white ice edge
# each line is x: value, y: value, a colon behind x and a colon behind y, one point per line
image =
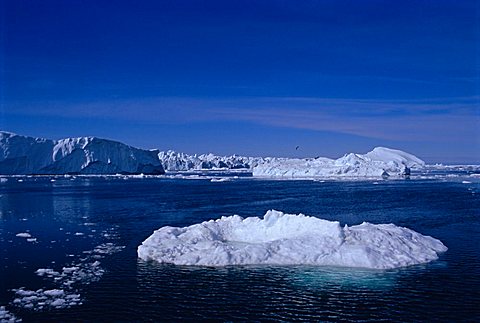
x: 288, y: 239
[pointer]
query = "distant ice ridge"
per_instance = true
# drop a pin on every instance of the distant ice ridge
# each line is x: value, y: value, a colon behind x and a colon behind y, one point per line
x: 380, y: 162
x: 85, y: 155
x: 175, y: 161
x: 288, y: 239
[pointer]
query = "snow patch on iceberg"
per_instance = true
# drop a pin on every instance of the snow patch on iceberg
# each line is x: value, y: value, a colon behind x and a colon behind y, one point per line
x: 288, y: 239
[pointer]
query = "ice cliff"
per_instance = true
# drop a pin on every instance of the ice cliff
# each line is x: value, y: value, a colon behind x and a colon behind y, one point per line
x: 288, y: 239
x: 85, y: 155
x: 175, y: 161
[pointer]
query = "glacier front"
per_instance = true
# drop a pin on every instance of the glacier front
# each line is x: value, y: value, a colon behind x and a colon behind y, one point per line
x: 288, y: 239
x: 85, y: 155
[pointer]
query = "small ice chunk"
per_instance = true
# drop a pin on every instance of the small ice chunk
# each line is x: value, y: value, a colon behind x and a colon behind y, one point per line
x: 58, y: 303
x: 23, y: 293
x: 24, y: 235
x: 222, y: 179
x: 69, y: 270
x: 7, y: 317
x: 47, y: 272
x: 54, y: 292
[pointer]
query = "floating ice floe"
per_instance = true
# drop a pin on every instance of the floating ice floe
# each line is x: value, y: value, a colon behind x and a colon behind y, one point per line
x: 23, y: 235
x: 40, y: 299
x: 83, y: 272
x: 287, y: 239
x: 7, y: 317
x: 221, y: 179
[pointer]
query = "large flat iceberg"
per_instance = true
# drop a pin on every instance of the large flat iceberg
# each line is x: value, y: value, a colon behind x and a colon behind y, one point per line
x: 287, y: 239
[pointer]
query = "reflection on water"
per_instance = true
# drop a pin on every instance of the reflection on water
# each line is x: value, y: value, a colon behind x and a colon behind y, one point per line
x: 77, y: 222
x: 298, y: 277
x: 284, y: 293
x: 322, y: 278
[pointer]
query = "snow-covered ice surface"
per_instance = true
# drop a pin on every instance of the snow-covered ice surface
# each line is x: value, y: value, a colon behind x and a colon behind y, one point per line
x: 85, y: 155
x: 380, y: 162
x: 287, y: 239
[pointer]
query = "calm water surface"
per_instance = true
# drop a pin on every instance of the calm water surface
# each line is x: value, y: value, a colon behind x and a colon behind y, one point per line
x: 71, y: 217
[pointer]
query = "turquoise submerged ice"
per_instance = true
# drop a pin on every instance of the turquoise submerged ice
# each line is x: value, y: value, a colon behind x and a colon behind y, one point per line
x: 288, y: 239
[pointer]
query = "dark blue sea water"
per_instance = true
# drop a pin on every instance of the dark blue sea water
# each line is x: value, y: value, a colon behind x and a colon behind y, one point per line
x: 72, y: 219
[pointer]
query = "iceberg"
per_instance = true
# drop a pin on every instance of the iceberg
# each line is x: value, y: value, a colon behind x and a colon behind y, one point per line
x: 175, y: 161
x: 20, y: 155
x: 288, y: 239
x: 380, y: 162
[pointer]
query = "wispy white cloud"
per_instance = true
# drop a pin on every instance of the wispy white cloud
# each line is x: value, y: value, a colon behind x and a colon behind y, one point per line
x: 437, y: 119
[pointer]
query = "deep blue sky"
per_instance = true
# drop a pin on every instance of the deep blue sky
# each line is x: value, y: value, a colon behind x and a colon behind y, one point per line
x: 247, y: 77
